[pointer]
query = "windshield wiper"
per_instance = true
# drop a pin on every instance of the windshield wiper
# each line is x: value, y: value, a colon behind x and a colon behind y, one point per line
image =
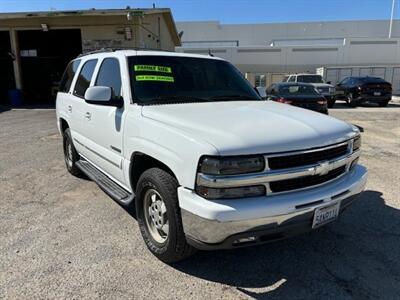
x: 232, y: 97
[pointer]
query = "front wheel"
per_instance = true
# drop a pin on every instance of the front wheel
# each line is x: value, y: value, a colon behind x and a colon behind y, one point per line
x: 350, y: 100
x: 331, y: 102
x: 159, y: 216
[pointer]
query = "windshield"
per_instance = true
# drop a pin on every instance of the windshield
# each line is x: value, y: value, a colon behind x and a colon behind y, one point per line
x: 310, y: 78
x: 296, y: 90
x: 174, y: 79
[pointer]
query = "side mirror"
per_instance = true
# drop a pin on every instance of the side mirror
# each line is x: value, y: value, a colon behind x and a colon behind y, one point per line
x: 102, y: 95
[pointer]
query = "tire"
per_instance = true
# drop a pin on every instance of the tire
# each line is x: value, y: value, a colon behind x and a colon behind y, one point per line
x: 157, y: 205
x: 70, y: 154
x: 350, y: 100
x: 331, y: 103
x: 383, y: 103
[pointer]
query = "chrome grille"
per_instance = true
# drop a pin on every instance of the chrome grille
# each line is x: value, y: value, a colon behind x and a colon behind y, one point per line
x: 302, y: 159
x: 304, y: 182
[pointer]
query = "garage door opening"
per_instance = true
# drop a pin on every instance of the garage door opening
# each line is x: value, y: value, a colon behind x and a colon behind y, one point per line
x: 44, y: 56
x: 7, y: 81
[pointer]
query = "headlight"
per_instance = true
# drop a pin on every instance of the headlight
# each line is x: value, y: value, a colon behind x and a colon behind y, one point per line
x: 230, y: 193
x: 225, y: 166
x: 357, y: 143
x: 332, y: 90
x: 231, y: 165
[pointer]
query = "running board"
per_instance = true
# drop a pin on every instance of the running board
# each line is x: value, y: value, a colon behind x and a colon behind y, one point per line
x: 114, y: 190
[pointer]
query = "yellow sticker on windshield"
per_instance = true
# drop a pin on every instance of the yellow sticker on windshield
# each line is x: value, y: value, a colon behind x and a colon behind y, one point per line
x: 154, y: 78
x: 153, y: 68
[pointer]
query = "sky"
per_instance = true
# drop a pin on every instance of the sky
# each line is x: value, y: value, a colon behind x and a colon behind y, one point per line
x: 230, y: 11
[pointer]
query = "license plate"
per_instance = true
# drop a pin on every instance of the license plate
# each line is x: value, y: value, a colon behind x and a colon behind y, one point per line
x: 326, y: 214
x: 340, y: 92
x: 377, y: 93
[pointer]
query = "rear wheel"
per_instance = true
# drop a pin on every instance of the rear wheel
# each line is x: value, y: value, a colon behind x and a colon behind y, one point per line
x: 70, y: 154
x: 383, y: 103
x: 159, y: 216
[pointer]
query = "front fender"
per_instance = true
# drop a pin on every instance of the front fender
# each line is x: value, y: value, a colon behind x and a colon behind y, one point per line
x: 175, y: 148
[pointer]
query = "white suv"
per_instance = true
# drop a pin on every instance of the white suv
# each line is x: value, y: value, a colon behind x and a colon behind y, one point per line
x: 206, y: 163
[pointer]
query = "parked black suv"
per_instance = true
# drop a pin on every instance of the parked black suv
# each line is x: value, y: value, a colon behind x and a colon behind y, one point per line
x: 355, y: 90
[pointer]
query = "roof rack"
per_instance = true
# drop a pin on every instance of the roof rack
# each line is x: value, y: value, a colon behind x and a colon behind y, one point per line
x: 104, y: 50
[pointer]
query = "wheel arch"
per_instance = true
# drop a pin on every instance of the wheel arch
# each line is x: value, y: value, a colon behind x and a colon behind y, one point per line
x: 140, y: 162
x: 63, y: 125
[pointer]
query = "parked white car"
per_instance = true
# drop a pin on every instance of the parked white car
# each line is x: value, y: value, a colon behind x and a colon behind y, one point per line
x: 324, y: 88
x: 207, y: 163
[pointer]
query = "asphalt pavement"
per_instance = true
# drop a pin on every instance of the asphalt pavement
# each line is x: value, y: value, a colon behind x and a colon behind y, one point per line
x: 62, y: 237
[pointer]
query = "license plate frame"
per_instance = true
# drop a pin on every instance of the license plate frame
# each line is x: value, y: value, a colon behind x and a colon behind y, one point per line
x: 325, y: 214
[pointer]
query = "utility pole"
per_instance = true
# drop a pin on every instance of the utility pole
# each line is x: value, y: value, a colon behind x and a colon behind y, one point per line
x: 391, y: 19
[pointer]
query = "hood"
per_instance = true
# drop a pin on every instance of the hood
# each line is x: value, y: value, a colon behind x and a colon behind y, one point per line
x: 251, y: 127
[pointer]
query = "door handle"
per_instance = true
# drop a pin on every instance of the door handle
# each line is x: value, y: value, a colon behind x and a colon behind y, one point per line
x: 69, y: 108
x: 88, y: 115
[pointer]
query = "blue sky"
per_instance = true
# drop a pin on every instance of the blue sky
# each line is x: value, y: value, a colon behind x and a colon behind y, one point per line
x: 230, y: 11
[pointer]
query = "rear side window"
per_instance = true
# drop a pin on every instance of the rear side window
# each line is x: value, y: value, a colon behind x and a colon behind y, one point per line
x: 84, y: 78
x: 110, y: 75
x: 68, y: 76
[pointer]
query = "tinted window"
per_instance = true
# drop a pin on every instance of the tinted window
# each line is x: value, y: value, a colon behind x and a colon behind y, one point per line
x: 345, y: 81
x: 297, y: 90
x: 84, y: 78
x: 68, y: 76
x: 310, y: 79
x: 371, y: 80
x: 110, y: 75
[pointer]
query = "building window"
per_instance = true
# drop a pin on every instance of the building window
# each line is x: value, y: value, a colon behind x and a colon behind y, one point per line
x: 260, y: 80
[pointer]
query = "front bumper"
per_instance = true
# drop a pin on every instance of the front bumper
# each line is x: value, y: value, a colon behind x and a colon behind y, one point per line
x: 218, y: 224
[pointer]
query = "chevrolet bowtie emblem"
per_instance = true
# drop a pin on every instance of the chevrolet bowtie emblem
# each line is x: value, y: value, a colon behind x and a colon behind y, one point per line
x: 323, y: 168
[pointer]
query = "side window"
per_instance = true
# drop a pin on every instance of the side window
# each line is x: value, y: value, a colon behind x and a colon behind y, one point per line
x: 84, y: 78
x: 110, y: 75
x: 292, y: 79
x: 68, y: 76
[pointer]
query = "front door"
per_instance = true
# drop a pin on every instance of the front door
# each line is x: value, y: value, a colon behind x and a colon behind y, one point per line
x: 104, y: 124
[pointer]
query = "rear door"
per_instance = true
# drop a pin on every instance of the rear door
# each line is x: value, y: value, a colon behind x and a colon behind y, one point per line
x: 65, y: 101
x: 104, y: 123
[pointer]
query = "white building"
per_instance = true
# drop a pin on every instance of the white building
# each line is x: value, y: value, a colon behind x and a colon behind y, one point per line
x: 266, y: 52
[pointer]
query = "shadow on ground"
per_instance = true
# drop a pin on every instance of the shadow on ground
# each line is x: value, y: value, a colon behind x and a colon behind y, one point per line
x: 343, y: 105
x: 356, y: 257
x: 4, y: 108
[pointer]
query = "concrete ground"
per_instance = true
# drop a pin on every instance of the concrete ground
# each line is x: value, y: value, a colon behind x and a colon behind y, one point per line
x: 62, y: 237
